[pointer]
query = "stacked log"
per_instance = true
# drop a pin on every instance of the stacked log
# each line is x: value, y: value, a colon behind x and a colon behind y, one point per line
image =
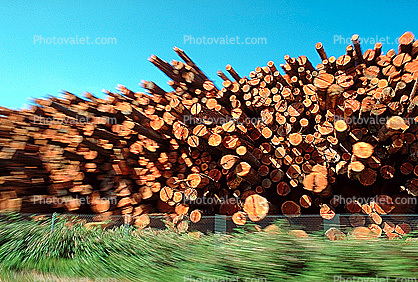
x: 293, y: 143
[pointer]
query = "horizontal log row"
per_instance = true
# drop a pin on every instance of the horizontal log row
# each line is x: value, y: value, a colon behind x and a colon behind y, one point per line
x: 307, y: 140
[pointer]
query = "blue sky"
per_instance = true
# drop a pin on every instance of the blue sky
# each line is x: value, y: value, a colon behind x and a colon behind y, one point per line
x: 141, y: 28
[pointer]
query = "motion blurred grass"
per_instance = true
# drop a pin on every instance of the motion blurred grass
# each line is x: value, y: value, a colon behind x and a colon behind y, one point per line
x: 29, y: 251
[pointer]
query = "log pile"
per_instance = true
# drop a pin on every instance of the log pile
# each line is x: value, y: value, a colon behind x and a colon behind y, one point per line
x: 296, y: 142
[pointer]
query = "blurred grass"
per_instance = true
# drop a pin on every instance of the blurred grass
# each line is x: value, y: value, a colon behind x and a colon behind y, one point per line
x: 29, y: 251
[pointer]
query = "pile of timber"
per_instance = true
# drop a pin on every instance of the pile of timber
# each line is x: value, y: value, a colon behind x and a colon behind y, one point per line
x: 301, y: 142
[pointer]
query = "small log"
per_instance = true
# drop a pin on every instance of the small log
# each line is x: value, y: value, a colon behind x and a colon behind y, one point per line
x: 334, y: 234
x: 290, y: 209
x: 142, y: 221
x: 239, y: 218
x: 326, y: 212
x: 195, y: 216
x: 283, y: 189
x: 305, y: 201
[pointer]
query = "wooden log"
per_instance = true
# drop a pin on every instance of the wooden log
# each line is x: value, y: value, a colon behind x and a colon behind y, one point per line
x: 305, y: 201
x: 290, y: 209
x: 334, y: 234
x: 315, y: 182
x: 239, y: 218
x: 356, y: 43
x: 142, y: 221
x: 405, y: 43
x: 362, y: 150
x: 320, y: 49
x: 244, y: 170
x: 326, y: 212
x: 195, y: 216
x: 256, y: 207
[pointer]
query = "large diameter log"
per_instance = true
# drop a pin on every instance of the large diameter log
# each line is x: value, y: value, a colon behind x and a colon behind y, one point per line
x: 362, y: 150
x: 405, y: 42
x: 229, y: 161
x: 315, y: 182
x: 256, y: 207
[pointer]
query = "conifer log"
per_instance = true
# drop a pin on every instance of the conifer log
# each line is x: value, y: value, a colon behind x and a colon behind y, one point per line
x: 273, y: 141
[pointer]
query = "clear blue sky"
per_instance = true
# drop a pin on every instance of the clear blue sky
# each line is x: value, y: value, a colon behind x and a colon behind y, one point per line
x: 142, y: 28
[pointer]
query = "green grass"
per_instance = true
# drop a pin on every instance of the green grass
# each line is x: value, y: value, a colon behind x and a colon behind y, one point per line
x: 29, y: 251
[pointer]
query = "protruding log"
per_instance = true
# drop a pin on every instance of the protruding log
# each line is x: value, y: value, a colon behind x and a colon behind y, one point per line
x: 320, y: 49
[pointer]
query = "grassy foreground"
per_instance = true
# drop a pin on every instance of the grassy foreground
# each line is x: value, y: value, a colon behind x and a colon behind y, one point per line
x: 29, y: 251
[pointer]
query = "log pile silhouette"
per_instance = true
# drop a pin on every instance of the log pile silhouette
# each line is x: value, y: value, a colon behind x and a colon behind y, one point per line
x: 311, y: 140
